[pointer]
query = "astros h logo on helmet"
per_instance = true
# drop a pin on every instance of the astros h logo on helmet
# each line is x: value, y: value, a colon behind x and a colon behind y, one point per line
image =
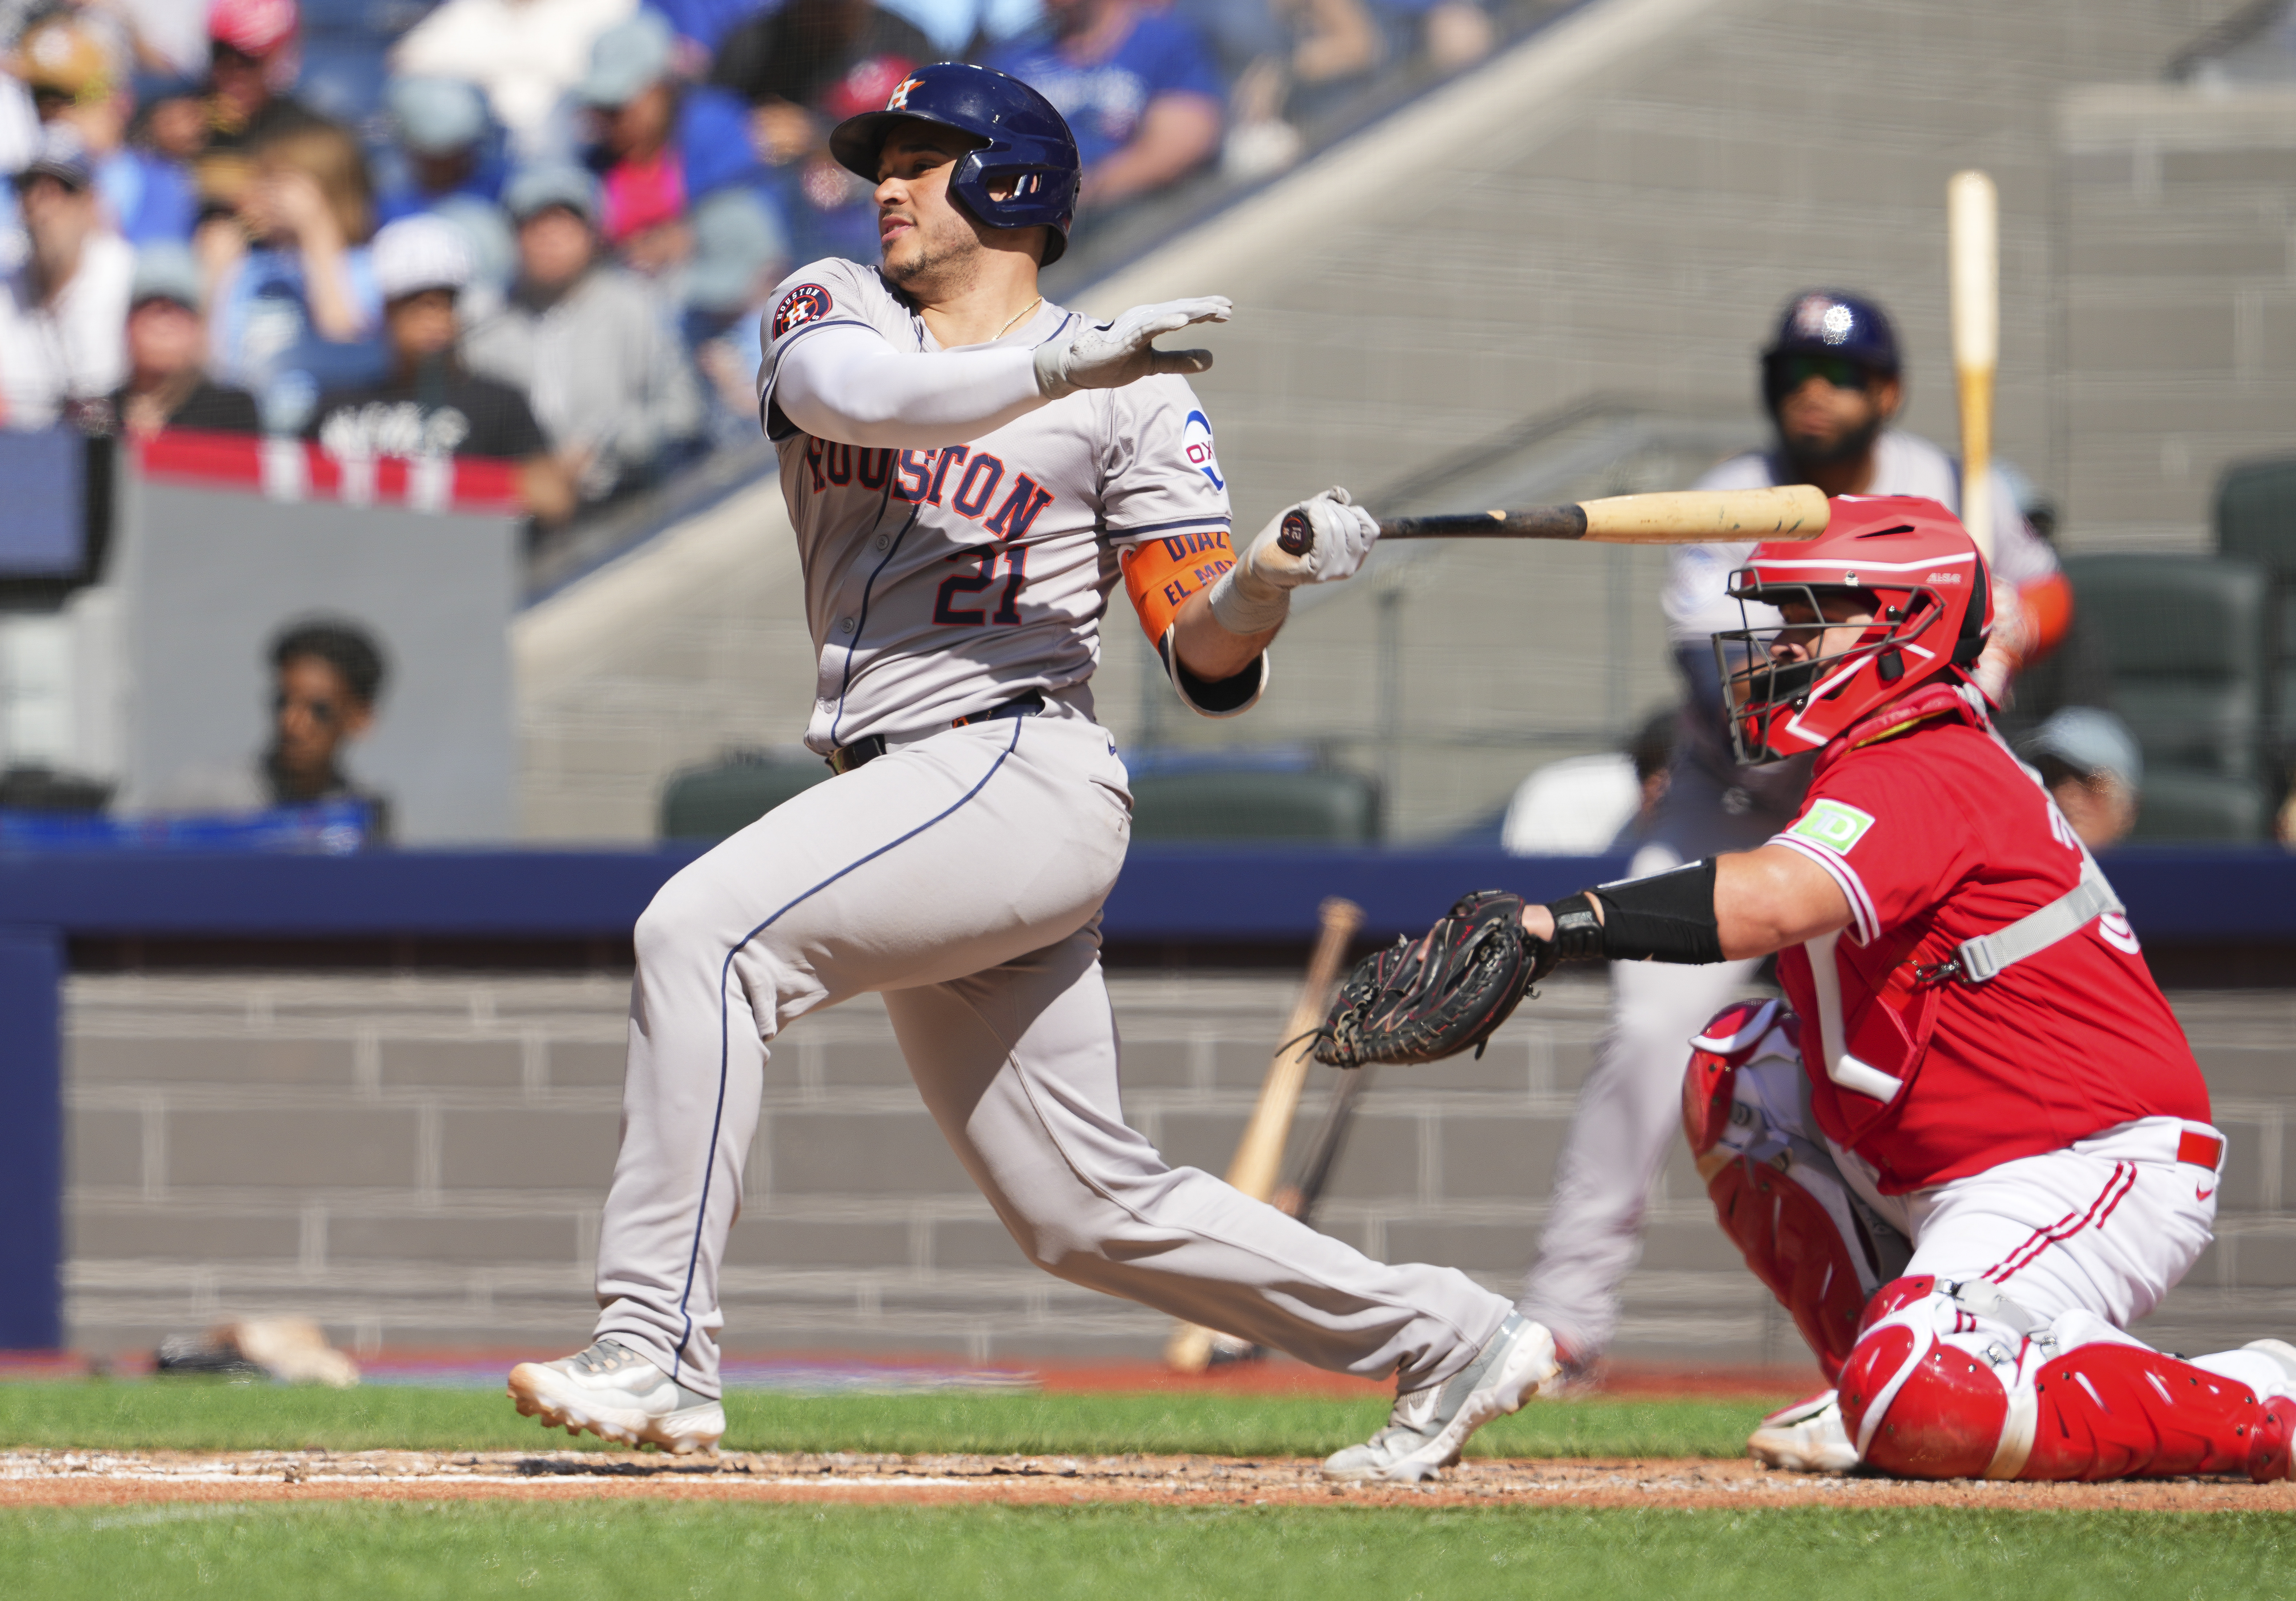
x: 898, y: 101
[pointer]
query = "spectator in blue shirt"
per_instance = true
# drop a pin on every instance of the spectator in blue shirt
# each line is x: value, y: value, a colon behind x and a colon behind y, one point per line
x: 1137, y: 86
x: 447, y: 147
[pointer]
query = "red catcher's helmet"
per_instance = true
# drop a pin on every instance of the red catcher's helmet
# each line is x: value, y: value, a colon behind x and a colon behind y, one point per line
x: 1932, y: 603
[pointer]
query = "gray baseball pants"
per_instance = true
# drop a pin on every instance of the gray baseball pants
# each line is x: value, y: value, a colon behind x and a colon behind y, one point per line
x: 961, y: 875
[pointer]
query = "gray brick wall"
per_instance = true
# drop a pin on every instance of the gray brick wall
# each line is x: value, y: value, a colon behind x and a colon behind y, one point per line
x: 420, y: 1162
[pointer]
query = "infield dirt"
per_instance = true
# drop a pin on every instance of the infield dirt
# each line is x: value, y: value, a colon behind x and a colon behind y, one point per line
x: 63, y: 1478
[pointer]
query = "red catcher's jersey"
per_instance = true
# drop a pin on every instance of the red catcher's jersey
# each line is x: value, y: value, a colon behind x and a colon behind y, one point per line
x: 1937, y: 835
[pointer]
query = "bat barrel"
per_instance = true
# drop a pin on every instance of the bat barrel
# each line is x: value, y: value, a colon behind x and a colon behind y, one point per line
x: 1681, y: 516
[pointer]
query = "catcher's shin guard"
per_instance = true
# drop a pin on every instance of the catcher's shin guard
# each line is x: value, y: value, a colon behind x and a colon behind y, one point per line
x: 1944, y: 1385
x: 1775, y: 1191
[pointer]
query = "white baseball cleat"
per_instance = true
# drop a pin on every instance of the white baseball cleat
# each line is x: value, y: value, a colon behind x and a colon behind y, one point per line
x: 2282, y: 1352
x: 1428, y: 1426
x: 1806, y: 1437
x: 616, y: 1394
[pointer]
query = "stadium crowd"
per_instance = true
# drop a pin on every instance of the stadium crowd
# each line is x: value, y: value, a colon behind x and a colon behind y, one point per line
x: 541, y: 230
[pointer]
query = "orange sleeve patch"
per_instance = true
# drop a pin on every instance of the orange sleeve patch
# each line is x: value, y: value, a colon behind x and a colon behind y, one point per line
x: 2049, y: 603
x: 1159, y: 574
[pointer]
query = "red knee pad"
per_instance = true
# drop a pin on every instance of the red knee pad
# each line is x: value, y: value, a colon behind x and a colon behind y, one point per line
x: 1897, y: 1293
x: 2110, y: 1412
x: 1944, y: 1419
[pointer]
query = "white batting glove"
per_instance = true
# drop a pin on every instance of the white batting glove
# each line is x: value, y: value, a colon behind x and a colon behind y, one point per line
x: 1323, y: 538
x: 2007, y: 647
x: 1110, y: 356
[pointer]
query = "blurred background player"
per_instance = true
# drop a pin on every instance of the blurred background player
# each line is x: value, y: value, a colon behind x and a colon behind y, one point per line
x: 1832, y: 384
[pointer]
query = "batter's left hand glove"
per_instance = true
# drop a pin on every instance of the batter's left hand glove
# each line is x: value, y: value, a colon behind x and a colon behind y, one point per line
x: 1423, y: 999
x: 1323, y: 538
x: 1111, y: 354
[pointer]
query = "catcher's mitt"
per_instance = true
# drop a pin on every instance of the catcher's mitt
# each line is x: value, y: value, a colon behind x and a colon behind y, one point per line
x: 1421, y: 1000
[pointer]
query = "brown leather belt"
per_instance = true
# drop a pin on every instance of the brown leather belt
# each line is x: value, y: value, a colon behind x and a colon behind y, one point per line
x: 845, y: 758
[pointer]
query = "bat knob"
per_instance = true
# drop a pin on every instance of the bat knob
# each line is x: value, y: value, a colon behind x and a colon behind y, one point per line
x: 1297, y: 536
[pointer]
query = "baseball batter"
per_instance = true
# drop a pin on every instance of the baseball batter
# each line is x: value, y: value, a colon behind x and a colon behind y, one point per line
x: 1831, y: 380
x: 972, y: 471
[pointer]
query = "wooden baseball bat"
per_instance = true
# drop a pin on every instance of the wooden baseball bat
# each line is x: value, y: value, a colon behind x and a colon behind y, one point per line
x: 1973, y: 253
x: 1678, y: 516
x: 1299, y: 1195
x: 1259, y: 1154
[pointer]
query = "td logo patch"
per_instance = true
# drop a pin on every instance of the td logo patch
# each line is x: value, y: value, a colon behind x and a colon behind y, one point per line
x: 806, y: 303
x: 1836, y: 826
x: 1196, y: 443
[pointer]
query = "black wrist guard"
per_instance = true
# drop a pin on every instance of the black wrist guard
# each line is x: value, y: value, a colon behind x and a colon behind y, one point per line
x: 1667, y: 916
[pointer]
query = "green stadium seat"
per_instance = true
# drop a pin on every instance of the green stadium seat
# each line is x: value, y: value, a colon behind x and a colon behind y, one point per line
x: 2256, y: 521
x: 2182, y: 639
x: 719, y: 799
x: 1319, y: 806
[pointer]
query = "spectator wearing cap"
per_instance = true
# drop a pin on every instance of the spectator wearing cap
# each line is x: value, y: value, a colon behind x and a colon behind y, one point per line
x: 786, y: 61
x: 168, y: 385
x: 429, y: 405
x: 740, y: 253
x: 1451, y: 33
x: 660, y: 144
x: 2090, y: 764
x: 62, y: 309
x: 75, y: 82
x: 589, y: 345
x: 1137, y: 86
x: 296, y: 308
x: 254, y: 57
x: 443, y: 137
x: 526, y: 55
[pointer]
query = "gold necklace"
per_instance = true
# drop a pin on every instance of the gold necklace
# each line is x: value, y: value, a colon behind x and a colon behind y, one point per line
x: 1023, y: 312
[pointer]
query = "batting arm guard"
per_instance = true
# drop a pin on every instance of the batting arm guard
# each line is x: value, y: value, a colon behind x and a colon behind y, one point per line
x: 1161, y: 574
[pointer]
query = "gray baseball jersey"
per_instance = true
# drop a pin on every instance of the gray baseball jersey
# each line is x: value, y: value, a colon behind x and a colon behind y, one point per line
x: 938, y: 583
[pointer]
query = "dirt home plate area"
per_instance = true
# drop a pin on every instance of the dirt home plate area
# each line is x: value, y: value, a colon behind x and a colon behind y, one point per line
x: 85, y: 1478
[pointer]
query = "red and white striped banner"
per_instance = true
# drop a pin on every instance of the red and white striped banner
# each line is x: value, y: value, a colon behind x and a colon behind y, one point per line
x: 290, y: 469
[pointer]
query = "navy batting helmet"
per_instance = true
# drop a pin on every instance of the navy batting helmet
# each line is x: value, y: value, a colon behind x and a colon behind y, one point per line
x: 1027, y: 144
x: 1824, y: 321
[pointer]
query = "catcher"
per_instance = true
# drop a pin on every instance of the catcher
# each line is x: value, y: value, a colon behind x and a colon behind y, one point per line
x: 1979, y: 1146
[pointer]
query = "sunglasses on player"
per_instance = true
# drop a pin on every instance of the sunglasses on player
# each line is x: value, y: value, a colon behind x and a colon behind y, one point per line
x: 1839, y: 370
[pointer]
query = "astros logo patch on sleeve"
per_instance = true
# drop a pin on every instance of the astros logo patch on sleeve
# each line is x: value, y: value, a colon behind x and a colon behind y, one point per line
x: 806, y: 303
x: 1833, y: 825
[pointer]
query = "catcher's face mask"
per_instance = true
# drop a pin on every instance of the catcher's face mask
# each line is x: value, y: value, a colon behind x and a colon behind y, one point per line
x: 1892, y: 596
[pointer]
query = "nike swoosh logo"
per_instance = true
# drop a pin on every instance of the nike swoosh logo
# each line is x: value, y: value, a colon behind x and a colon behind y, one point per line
x: 2201, y: 1195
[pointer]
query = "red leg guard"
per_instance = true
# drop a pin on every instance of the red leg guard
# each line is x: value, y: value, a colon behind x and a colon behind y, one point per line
x: 1944, y: 1419
x: 1791, y: 1244
x: 2118, y: 1412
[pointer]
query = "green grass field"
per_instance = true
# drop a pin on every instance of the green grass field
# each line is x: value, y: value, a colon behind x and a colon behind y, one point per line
x: 257, y: 1552
x: 199, y: 1414
x: 478, y: 1549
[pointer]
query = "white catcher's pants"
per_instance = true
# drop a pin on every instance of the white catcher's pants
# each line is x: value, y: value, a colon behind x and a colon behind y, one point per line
x: 961, y: 875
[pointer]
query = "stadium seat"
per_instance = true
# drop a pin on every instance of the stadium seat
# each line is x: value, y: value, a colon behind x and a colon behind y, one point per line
x: 1317, y: 806
x: 2182, y: 639
x: 2256, y: 521
x: 719, y: 799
